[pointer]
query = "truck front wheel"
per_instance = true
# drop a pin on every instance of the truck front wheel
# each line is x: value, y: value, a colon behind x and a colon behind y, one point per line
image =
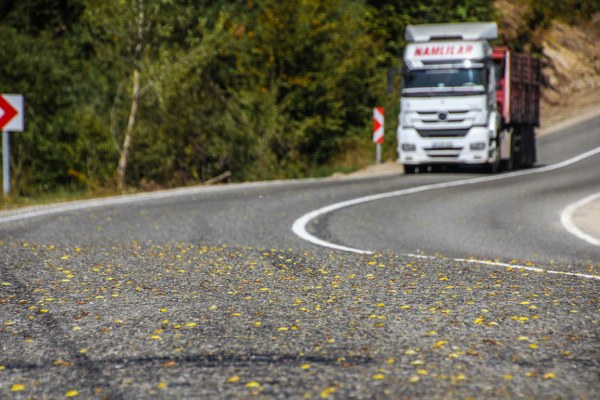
x: 409, y: 169
x: 493, y: 166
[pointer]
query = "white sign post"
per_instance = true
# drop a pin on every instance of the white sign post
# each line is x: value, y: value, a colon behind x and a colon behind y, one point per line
x: 378, y: 131
x: 11, y: 120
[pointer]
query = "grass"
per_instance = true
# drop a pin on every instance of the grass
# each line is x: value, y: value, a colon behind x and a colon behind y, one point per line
x: 357, y: 156
x: 59, y: 196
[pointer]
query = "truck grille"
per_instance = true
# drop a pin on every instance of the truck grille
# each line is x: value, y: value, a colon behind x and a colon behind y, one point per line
x: 443, y: 152
x: 433, y: 117
x: 442, y: 133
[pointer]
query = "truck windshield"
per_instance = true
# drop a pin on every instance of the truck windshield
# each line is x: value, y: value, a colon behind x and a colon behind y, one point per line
x: 444, y: 78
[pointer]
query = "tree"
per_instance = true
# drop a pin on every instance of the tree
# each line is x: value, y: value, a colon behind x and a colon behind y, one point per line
x: 156, y: 42
x: 123, y: 30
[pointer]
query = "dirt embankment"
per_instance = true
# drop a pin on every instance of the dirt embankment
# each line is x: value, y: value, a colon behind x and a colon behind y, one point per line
x: 571, y: 72
x: 570, y: 62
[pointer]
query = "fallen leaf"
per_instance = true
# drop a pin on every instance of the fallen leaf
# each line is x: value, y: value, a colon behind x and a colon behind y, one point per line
x: 60, y: 363
x: 549, y: 375
x: 17, y: 387
x: 327, y: 391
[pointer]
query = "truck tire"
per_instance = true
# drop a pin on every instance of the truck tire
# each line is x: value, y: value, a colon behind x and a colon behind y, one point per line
x: 530, y: 156
x: 409, y: 169
x: 491, y: 168
x: 494, y: 166
x: 518, y: 147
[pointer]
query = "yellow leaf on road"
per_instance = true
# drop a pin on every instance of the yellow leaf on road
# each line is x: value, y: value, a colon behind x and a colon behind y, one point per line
x: 327, y: 391
x: 17, y: 387
x: 72, y: 393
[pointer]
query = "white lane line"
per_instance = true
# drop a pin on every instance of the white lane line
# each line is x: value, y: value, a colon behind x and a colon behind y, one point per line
x: 566, y: 218
x: 508, y: 266
x: 300, y: 225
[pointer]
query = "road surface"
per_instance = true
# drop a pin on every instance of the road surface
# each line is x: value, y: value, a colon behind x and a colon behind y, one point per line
x: 208, y: 293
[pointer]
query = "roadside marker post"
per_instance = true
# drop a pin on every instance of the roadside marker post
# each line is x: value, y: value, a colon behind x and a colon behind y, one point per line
x: 11, y: 120
x: 378, y: 121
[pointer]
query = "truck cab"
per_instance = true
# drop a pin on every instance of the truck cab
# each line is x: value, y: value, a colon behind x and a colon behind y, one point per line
x: 449, y: 110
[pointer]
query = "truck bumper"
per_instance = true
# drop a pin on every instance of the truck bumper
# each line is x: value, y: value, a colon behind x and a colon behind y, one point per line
x: 474, y: 148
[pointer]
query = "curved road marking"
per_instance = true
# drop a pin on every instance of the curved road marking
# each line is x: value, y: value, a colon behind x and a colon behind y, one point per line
x: 566, y: 218
x: 299, y: 226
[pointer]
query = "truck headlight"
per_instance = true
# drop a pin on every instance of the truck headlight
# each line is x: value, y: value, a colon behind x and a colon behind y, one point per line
x: 479, y: 146
x: 408, y: 147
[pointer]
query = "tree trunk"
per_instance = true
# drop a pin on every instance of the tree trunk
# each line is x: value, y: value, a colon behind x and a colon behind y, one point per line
x: 122, y: 169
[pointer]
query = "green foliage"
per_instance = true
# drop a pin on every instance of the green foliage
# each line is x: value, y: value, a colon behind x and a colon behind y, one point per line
x: 388, y: 19
x: 263, y: 88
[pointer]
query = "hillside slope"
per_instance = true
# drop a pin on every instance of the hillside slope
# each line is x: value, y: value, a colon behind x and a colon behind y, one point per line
x: 571, y: 71
x: 570, y: 59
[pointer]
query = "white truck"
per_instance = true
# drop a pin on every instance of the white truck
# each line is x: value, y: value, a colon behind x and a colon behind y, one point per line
x: 464, y: 102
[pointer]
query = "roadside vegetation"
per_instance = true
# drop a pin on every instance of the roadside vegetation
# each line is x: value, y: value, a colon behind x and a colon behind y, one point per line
x: 136, y: 95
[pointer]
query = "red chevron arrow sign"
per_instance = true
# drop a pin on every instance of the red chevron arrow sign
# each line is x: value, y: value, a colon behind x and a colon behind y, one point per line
x: 378, y: 125
x: 11, y: 113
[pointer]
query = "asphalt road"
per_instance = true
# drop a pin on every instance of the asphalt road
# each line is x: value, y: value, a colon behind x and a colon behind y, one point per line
x: 207, y: 293
x: 517, y: 218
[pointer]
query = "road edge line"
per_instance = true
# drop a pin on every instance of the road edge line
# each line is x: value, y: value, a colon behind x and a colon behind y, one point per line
x: 566, y: 218
x: 299, y: 225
